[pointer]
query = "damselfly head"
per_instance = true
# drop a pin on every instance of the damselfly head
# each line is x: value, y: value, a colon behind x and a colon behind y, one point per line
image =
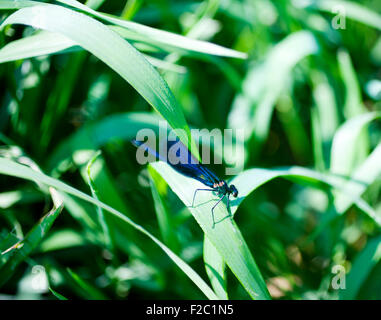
x: 233, y: 190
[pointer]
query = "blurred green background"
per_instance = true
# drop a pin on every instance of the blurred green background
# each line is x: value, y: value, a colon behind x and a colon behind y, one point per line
x: 308, y: 95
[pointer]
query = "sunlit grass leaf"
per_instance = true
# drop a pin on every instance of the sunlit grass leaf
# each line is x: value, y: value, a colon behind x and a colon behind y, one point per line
x: 326, y: 112
x: 225, y: 236
x: 62, y: 239
x: 94, y: 191
x: 366, y: 174
x: 142, y: 32
x: 350, y: 191
x: 47, y: 43
x: 117, y: 53
x: 345, y: 143
x: 152, y: 35
x: 11, y: 168
x: 40, y: 43
x: 215, y: 268
x: 353, y: 101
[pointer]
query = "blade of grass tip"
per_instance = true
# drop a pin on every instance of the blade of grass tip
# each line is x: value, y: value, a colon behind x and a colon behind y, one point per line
x: 11, y: 168
x: 344, y: 150
x: 87, y: 290
x: 101, y: 217
x: 160, y: 36
x: 57, y: 295
x: 22, y: 249
x: 41, y: 43
x: 350, y: 190
x: 47, y: 43
x: 362, y: 265
x: 215, y: 269
x: 224, y: 234
x: 98, y: 39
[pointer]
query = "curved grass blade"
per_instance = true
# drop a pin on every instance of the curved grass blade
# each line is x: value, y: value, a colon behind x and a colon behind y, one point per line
x: 142, y: 32
x: 47, y: 43
x: 11, y: 168
x: 109, y: 47
x: 343, y: 153
x: 249, y: 180
x: 225, y: 236
x: 41, y: 43
x: 152, y: 35
x: 101, y: 217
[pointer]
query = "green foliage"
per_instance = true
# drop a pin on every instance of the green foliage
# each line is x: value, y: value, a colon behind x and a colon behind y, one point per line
x: 79, y: 80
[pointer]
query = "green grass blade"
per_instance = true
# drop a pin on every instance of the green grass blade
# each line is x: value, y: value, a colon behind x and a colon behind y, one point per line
x: 41, y: 43
x: 22, y: 249
x: 362, y: 266
x: 225, y: 236
x: 215, y: 268
x: 62, y: 239
x: 353, y: 100
x: 94, y: 192
x: 86, y: 289
x: 109, y: 47
x: 326, y: 112
x: 11, y: 168
x: 152, y: 35
x: 344, y: 146
x: 47, y: 43
x: 349, y: 190
x: 367, y: 173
